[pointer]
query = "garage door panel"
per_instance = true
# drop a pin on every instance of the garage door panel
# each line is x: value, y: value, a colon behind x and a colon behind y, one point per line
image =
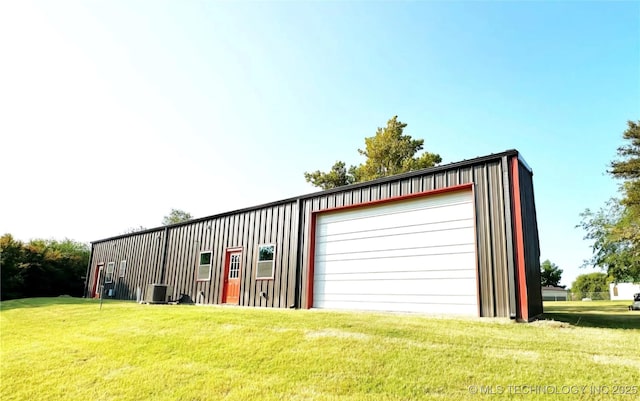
x: 417, y: 255
x: 421, y: 263
x: 438, y: 308
x: 400, y: 253
x: 442, y: 273
x: 431, y: 299
x: 414, y: 227
x: 392, y: 219
x: 459, y: 236
x: 453, y: 287
x: 434, y: 202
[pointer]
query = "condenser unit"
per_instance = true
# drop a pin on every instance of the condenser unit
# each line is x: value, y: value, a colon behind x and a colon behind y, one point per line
x: 157, y: 294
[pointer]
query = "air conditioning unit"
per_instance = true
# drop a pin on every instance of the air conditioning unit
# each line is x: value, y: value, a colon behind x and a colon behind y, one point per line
x: 157, y: 294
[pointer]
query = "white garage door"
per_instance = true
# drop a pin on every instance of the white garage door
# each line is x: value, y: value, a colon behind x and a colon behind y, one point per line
x: 415, y: 256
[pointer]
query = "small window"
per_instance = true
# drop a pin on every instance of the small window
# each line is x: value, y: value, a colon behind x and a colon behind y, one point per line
x: 109, y: 277
x: 123, y: 268
x: 204, y: 267
x: 265, y: 261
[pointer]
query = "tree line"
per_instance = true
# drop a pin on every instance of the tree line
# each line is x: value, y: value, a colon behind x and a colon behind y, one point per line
x: 42, y: 268
x: 50, y: 268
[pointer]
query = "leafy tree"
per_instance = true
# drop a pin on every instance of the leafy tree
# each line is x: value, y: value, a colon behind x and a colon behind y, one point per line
x: 176, y: 216
x: 11, y: 254
x: 592, y: 285
x: 336, y: 177
x: 550, y: 274
x: 42, y: 268
x: 611, y: 251
x: 628, y: 167
x: 615, y: 228
x: 388, y: 152
x: 132, y: 230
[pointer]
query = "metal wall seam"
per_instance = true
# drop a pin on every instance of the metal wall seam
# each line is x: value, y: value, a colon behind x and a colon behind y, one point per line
x: 506, y: 188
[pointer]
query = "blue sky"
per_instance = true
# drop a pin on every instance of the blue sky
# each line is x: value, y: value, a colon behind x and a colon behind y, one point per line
x: 112, y: 113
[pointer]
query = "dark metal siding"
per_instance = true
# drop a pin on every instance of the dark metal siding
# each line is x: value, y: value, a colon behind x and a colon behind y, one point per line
x: 276, y: 224
x: 142, y: 253
x: 245, y: 230
x: 490, y: 221
x: 171, y: 253
x: 531, y: 242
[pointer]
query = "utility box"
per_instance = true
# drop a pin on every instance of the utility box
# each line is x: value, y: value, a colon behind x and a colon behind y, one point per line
x: 156, y: 294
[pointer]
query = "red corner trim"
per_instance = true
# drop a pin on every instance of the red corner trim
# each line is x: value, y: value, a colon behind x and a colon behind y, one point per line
x: 519, y: 241
x: 312, y: 257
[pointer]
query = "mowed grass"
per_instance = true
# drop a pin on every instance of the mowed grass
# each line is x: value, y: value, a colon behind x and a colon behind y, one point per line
x: 69, y: 349
x: 609, y: 314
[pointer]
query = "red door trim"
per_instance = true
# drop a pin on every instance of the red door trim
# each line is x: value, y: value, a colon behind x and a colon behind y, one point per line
x: 225, y: 274
x: 314, y: 215
x: 476, y: 250
x: 519, y: 241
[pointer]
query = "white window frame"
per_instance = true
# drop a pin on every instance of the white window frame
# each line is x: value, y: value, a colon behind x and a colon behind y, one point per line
x: 123, y: 268
x: 231, y: 255
x: 108, y: 276
x: 200, y: 266
x: 258, y: 261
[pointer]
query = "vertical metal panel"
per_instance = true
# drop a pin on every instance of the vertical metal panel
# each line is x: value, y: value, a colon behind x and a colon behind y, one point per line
x: 440, y: 180
x: 248, y: 273
x: 497, y: 208
x: 246, y: 253
x: 288, y: 281
x: 416, y: 186
x: 217, y: 246
x: 308, y: 207
x: 453, y: 177
x: 484, y: 243
x: 274, y: 287
x: 406, y: 187
x: 466, y: 175
x: 428, y: 182
x: 178, y: 237
x: 193, y: 246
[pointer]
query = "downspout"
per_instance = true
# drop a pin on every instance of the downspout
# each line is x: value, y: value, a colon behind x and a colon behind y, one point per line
x: 163, y: 261
x: 509, y: 236
x: 86, y: 276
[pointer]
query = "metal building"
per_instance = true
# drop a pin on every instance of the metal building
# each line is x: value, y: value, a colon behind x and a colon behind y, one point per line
x: 460, y: 238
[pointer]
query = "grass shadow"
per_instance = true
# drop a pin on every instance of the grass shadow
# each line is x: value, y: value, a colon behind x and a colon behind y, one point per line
x: 629, y: 321
x: 23, y: 303
x: 601, y: 314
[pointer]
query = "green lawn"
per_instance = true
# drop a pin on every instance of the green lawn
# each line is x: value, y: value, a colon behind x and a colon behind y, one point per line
x: 69, y: 349
x: 608, y: 314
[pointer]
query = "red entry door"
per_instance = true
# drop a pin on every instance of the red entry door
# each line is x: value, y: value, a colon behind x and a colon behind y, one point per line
x: 231, y: 294
x: 96, y: 283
